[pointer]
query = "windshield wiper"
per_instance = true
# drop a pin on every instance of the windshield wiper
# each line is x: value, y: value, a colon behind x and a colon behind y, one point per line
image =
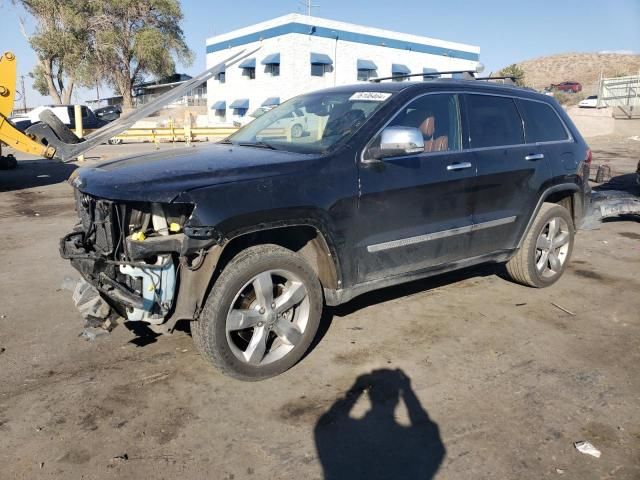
x: 258, y: 145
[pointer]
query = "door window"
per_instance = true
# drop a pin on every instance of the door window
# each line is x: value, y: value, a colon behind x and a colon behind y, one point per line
x: 437, y: 116
x: 493, y: 121
x: 541, y: 123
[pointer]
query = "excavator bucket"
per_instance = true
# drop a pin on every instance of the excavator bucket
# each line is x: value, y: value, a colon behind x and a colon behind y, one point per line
x: 50, y: 138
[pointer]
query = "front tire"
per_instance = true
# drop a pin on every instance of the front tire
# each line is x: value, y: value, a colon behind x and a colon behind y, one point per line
x: 114, y: 141
x: 261, y: 315
x: 546, y: 249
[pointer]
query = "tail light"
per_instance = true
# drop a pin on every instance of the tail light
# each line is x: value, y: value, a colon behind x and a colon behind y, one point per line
x: 589, y: 157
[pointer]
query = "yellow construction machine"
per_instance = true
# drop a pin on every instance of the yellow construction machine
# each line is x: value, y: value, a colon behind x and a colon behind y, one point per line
x: 9, y: 134
x: 50, y: 138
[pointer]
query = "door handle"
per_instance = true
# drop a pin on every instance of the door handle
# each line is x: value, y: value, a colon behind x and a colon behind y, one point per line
x: 534, y: 156
x: 459, y: 166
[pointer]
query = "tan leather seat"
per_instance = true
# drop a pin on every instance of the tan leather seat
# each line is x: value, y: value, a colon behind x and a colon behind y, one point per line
x: 428, y: 129
x: 441, y: 143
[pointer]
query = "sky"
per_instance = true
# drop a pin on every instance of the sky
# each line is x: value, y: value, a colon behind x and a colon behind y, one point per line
x: 507, y: 31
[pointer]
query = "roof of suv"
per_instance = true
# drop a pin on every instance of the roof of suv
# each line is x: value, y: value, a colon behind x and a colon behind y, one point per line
x: 426, y: 85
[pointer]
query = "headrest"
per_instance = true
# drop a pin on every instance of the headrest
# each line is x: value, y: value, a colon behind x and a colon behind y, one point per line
x: 428, y: 127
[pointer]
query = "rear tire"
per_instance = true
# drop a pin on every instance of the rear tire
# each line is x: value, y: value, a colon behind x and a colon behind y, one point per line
x: 546, y: 249
x: 261, y: 315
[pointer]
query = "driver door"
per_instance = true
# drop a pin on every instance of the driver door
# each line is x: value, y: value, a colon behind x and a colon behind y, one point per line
x: 415, y: 211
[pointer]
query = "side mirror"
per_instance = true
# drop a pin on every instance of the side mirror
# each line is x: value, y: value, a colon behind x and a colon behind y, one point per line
x: 396, y: 141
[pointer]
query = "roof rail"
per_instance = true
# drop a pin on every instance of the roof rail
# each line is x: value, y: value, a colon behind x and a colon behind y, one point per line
x: 466, y: 75
x: 511, y: 79
x: 426, y: 75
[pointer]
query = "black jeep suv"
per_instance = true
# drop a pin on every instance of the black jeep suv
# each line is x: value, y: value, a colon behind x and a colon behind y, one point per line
x: 250, y: 238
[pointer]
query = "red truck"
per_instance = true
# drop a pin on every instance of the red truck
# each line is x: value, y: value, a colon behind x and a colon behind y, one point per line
x: 572, y: 87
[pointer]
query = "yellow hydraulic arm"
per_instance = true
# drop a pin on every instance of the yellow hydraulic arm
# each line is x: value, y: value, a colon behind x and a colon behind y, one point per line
x: 50, y: 138
x: 9, y: 134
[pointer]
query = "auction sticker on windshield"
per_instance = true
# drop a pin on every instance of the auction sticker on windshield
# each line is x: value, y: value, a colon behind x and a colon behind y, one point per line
x: 370, y: 96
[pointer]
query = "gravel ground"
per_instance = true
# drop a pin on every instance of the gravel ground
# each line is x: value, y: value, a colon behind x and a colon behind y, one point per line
x: 460, y: 376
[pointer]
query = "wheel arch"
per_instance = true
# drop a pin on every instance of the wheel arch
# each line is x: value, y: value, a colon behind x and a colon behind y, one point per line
x: 565, y: 194
x: 305, y: 238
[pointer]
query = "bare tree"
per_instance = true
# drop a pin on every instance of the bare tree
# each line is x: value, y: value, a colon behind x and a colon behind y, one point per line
x: 60, y: 40
x: 135, y: 38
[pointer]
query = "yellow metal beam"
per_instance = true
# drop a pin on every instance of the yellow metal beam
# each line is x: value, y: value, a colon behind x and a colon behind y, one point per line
x: 193, y: 133
x: 9, y: 134
x: 174, y: 133
x: 7, y: 83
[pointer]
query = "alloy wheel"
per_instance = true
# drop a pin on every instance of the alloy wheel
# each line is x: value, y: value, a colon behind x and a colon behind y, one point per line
x: 268, y: 317
x: 552, y: 247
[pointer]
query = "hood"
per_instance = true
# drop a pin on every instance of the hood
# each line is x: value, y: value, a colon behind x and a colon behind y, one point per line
x: 162, y: 176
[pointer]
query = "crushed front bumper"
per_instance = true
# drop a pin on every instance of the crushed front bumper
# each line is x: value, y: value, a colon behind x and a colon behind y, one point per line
x: 136, y: 290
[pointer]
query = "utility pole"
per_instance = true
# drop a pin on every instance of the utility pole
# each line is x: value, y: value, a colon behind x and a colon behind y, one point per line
x: 309, y: 5
x: 24, y: 94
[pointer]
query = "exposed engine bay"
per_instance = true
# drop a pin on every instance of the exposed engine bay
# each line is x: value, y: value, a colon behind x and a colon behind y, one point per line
x: 129, y: 256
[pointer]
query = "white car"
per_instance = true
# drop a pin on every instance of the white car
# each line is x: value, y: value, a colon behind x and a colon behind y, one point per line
x: 66, y: 115
x: 589, y: 102
x: 295, y: 124
x: 242, y: 121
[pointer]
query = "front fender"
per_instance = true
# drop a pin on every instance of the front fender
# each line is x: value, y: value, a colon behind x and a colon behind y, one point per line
x: 237, y: 209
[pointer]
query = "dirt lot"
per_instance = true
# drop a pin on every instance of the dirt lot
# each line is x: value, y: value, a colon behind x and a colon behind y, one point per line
x: 469, y: 375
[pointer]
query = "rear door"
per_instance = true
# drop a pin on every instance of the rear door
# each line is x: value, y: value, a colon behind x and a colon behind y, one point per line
x: 415, y: 211
x: 543, y: 126
x: 510, y: 172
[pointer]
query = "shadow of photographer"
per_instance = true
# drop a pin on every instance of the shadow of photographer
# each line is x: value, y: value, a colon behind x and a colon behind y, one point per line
x: 376, y: 446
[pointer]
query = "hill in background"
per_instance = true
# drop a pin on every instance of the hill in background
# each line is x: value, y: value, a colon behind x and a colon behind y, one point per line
x: 579, y: 67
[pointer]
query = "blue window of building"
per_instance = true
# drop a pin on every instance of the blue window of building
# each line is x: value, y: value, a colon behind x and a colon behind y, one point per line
x: 430, y: 73
x: 272, y: 64
x: 220, y: 110
x: 221, y: 77
x: 240, y: 107
x: 398, y: 69
x: 366, y: 69
x: 320, y: 64
x: 248, y: 67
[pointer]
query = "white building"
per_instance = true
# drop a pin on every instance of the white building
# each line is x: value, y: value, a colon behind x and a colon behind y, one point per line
x: 299, y: 53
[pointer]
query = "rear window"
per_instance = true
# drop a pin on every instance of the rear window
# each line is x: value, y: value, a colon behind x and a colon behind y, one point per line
x: 541, y: 123
x: 493, y: 121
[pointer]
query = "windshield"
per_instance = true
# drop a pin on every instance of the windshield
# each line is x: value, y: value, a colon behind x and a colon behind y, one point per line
x: 312, y: 123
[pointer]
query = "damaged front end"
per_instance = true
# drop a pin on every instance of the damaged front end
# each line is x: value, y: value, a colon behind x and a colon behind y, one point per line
x: 128, y: 254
